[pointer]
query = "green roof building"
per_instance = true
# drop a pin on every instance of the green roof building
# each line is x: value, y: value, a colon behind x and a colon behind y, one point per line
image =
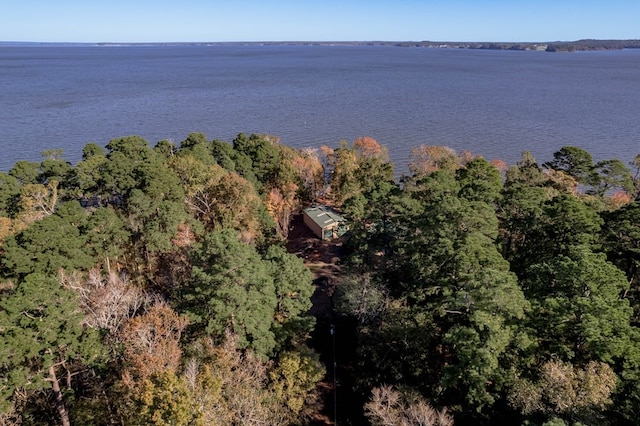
x: 325, y: 222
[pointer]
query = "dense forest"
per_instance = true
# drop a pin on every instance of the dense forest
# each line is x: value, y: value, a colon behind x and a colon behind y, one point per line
x: 152, y: 286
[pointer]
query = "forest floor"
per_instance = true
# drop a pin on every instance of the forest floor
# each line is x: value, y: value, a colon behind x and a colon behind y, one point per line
x: 323, y: 259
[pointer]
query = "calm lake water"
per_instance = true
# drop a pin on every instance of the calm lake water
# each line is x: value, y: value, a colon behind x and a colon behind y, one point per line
x: 494, y: 103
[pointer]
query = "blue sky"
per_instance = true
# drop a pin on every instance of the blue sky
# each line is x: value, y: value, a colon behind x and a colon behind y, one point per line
x: 315, y: 20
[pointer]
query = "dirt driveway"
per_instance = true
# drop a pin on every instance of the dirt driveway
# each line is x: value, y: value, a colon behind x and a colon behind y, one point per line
x: 321, y: 257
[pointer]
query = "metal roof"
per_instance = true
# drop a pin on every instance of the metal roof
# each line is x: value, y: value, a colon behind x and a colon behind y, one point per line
x: 323, y: 215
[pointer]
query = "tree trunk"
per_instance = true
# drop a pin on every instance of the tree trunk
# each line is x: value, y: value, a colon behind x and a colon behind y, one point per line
x: 55, y: 384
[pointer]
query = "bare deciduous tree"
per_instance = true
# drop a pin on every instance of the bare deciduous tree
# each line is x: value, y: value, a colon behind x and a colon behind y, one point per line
x: 390, y: 407
x: 107, y: 301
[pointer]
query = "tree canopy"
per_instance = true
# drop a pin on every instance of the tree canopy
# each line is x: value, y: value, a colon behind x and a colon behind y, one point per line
x: 171, y: 285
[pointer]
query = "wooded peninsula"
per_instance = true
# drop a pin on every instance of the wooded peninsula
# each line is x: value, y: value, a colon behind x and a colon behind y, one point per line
x: 157, y: 285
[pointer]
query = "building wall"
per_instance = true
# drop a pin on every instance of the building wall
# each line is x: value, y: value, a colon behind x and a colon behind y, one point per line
x: 317, y: 230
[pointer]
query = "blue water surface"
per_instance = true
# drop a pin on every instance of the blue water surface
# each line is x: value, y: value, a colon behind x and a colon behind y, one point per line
x: 493, y: 103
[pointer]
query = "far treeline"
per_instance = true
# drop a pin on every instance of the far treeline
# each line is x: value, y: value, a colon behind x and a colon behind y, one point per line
x: 151, y: 286
x: 552, y: 46
x: 549, y: 46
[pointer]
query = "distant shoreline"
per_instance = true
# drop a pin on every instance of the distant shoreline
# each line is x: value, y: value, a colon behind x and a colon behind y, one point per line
x: 554, y: 46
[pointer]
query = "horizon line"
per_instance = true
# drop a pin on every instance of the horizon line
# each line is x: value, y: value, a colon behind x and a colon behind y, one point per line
x: 308, y: 41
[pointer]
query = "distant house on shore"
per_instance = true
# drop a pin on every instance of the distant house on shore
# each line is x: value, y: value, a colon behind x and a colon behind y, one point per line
x: 325, y: 222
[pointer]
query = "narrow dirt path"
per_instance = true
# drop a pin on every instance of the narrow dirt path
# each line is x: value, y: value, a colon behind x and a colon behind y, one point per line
x: 323, y: 259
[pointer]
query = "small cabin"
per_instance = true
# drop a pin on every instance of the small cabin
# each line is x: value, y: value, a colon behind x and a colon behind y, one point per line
x: 325, y: 222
